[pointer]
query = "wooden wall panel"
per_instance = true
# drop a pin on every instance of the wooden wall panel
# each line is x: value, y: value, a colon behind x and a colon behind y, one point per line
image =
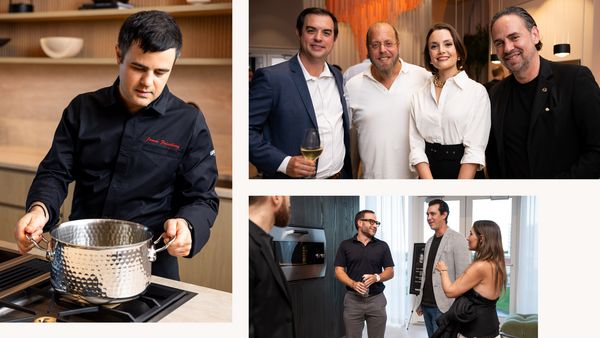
x: 33, y: 103
x: 212, y: 267
x: 318, y: 303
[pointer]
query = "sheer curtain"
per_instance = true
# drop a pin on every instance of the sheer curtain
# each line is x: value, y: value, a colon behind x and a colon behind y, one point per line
x: 527, y: 264
x: 390, y: 211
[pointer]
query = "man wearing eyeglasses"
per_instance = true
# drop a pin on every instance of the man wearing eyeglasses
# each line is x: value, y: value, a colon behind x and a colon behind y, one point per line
x: 445, y: 245
x: 379, y: 106
x: 363, y: 263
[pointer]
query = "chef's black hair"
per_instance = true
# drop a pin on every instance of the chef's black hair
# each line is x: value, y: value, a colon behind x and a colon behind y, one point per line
x: 153, y: 31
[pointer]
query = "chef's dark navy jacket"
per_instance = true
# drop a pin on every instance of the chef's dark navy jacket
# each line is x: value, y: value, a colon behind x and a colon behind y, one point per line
x: 144, y: 167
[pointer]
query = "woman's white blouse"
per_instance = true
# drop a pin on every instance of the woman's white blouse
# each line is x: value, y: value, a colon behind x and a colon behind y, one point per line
x: 462, y: 116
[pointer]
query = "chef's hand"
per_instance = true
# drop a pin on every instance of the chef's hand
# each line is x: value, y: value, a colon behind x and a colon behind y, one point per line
x: 441, y: 266
x: 32, y: 224
x: 298, y: 167
x: 178, y: 228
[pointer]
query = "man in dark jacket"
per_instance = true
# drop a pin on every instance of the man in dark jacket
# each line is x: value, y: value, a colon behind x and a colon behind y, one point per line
x: 135, y: 151
x: 270, y: 305
x: 546, y: 115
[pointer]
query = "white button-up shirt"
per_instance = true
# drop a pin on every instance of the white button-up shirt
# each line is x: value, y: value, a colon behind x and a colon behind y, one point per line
x: 380, y: 117
x: 327, y: 104
x: 462, y: 116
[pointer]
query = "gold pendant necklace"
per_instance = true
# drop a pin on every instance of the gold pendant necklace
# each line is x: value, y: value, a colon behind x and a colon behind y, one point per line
x: 437, y: 82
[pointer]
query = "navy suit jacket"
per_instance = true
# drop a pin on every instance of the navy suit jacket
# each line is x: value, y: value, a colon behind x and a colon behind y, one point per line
x: 563, y: 139
x: 280, y: 111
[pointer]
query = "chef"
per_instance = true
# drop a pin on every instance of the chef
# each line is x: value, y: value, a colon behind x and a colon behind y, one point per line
x: 135, y: 151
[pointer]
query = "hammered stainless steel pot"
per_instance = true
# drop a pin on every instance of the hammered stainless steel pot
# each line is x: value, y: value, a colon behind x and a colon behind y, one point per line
x: 101, y: 261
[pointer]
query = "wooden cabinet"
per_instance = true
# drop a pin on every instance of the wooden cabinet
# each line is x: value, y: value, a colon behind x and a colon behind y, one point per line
x: 15, y: 185
x: 41, y: 87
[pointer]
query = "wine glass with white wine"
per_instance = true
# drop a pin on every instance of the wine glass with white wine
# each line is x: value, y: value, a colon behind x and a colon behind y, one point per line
x: 311, y: 147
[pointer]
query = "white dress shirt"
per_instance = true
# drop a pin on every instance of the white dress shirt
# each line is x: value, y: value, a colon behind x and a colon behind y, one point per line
x: 462, y: 116
x: 326, y: 100
x: 380, y: 117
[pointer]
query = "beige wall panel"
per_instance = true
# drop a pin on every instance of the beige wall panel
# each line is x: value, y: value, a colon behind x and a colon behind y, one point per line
x: 273, y: 23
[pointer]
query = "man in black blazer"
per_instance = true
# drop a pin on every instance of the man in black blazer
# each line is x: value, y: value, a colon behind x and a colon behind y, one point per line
x: 301, y: 93
x: 546, y: 115
x: 270, y: 306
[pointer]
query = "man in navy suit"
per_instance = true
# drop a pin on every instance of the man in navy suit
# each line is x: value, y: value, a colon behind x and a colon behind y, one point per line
x: 301, y: 93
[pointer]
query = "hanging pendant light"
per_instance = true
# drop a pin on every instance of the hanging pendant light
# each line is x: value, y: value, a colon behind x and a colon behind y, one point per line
x: 562, y: 49
x: 494, y: 59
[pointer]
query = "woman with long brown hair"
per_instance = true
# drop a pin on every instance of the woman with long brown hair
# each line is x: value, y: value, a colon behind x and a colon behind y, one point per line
x: 450, y: 116
x: 477, y: 289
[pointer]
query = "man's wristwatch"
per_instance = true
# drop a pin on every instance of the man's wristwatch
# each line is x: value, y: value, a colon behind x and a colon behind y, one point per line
x: 378, y: 277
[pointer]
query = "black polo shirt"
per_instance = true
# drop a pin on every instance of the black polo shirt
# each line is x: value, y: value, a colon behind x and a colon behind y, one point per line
x: 360, y: 259
x: 145, y: 167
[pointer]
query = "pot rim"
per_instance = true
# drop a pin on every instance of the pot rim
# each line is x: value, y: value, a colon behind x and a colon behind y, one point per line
x: 96, y: 247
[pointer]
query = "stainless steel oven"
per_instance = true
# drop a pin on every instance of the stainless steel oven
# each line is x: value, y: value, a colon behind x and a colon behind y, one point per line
x: 300, y: 252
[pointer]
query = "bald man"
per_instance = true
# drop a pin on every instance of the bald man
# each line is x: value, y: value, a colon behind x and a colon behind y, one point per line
x: 379, y: 106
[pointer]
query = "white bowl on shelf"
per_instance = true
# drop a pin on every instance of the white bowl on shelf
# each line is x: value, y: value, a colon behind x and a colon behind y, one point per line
x: 58, y: 47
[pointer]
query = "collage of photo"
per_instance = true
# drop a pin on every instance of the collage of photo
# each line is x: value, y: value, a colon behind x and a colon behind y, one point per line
x: 407, y: 168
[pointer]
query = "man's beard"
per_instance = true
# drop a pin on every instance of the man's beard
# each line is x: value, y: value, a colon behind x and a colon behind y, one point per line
x: 367, y: 232
x: 386, y: 70
x: 282, y: 216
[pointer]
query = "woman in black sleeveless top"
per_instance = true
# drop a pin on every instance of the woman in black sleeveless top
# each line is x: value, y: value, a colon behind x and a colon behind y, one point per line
x: 477, y: 289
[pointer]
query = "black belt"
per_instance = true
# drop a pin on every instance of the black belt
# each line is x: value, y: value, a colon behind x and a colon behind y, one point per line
x: 444, y: 151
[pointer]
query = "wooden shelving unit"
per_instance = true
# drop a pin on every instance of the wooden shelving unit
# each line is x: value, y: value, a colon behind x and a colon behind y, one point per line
x: 106, y: 61
x: 40, y: 86
x: 110, y: 14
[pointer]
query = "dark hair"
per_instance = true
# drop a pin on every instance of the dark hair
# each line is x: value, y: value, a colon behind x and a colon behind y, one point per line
x: 523, y: 14
x: 458, y: 44
x: 442, y: 207
x: 316, y: 11
x: 490, y: 248
x: 153, y: 31
x: 252, y: 200
x: 360, y: 215
x: 379, y: 23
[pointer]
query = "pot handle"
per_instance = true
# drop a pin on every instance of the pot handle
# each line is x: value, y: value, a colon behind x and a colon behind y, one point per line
x: 49, y: 254
x: 152, y: 252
